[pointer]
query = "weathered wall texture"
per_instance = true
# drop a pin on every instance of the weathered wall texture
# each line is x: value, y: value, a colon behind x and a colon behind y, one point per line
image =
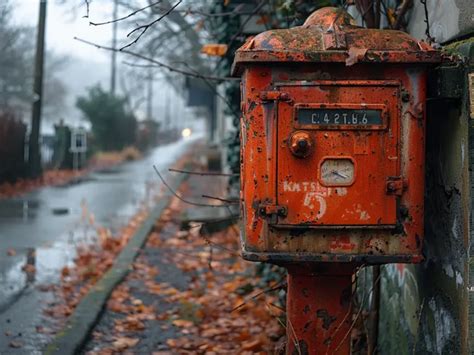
x: 448, y: 19
x: 424, y: 308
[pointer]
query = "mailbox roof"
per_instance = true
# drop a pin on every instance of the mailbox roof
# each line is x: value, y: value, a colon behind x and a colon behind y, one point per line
x: 331, y: 35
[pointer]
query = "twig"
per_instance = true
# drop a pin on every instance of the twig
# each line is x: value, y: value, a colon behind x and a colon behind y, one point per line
x: 274, y: 288
x: 190, y: 11
x: 357, y: 315
x: 231, y: 202
x: 295, y: 339
x: 377, y: 13
x: 211, y: 221
x: 244, y: 23
x: 401, y: 13
x: 234, y: 12
x: 386, y: 13
x: 209, y: 261
x: 87, y: 2
x: 201, y: 173
x: 341, y: 10
x: 419, y: 325
x: 241, y: 28
x: 349, y: 311
x: 145, y: 28
x: 276, y: 306
x: 427, y: 21
x: 210, y: 242
x: 125, y: 17
x: 366, y: 9
x: 176, y: 251
x: 181, y: 198
x: 216, y: 92
x: 374, y: 313
x: 158, y: 63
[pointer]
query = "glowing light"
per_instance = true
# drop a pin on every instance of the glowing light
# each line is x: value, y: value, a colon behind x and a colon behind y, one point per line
x: 186, y: 132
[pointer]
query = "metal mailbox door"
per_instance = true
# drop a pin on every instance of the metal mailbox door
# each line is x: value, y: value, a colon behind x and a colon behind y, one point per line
x: 351, y: 177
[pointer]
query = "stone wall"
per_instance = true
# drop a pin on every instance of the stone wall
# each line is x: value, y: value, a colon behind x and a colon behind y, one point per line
x: 425, y: 308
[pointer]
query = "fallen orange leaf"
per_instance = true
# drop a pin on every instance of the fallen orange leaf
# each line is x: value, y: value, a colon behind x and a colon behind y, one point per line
x: 125, y: 343
x: 183, y: 323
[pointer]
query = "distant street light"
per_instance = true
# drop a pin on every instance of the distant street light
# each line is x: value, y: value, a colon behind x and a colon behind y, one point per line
x: 186, y: 132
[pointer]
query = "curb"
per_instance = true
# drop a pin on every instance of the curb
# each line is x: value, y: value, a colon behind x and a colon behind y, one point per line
x: 73, y: 337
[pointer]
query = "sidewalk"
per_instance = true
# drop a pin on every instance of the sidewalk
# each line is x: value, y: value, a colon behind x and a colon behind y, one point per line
x: 190, y: 293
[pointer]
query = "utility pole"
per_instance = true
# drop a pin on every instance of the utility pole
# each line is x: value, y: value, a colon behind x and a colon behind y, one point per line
x: 149, y: 107
x: 167, y: 109
x: 34, y: 156
x: 151, y: 77
x: 113, y: 73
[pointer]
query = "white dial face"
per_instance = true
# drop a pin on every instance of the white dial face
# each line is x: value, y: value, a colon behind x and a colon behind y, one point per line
x: 337, y: 172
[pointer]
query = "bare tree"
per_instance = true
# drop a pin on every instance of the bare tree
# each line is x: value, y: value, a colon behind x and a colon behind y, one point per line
x: 16, y: 68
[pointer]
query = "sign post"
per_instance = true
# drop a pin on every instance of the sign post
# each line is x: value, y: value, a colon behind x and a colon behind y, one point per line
x: 78, y: 147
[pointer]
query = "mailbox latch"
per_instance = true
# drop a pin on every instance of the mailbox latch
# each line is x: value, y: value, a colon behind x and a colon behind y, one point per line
x: 396, y: 185
x: 271, y: 212
x: 274, y: 95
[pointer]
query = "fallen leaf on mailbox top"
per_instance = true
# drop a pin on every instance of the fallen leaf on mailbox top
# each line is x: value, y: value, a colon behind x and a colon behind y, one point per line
x: 355, y: 54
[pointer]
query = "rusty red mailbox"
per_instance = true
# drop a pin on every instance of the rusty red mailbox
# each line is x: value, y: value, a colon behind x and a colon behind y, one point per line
x: 332, y: 151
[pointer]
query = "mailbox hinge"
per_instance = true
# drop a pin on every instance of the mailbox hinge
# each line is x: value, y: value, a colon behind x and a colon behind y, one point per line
x: 396, y: 185
x: 274, y: 96
x: 271, y: 212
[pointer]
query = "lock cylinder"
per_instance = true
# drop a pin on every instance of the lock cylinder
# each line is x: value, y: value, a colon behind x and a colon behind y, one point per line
x: 301, y: 144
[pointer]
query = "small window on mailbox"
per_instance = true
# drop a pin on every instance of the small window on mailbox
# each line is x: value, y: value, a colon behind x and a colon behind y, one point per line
x: 338, y: 152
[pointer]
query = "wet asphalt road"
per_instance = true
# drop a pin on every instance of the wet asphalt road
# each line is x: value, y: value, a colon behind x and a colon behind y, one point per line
x: 44, y: 227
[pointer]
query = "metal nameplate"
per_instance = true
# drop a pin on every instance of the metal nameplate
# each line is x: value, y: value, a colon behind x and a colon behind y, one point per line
x: 338, y: 117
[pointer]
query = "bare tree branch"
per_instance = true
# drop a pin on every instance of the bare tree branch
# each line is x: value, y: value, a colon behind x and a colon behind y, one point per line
x: 145, y: 28
x: 181, y: 198
x: 401, y: 11
x: 87, y: 2
x: 156, y: 62
x: 213, y: 89
x: 230, y: 202
x: 278, y: 286
x: 244, y: 23
x: 125, y: 17
x: 201, y: 173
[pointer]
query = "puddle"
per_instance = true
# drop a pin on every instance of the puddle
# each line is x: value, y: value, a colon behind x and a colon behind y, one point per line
x: 108, y: 171
x: 13, y: 281
x: 45, y: 227
x: 76, y: 181
x: 60, y: 211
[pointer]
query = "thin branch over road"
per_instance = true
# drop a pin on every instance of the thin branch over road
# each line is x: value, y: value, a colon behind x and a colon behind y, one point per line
x: 158, y: 63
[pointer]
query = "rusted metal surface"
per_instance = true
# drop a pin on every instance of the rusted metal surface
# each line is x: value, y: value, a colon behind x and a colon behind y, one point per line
x: 372, y: 153
x: 333, y: 150
x: 387, y: 192
x: 356, y: 194
x: 329, y: 37
x: 318, y: 312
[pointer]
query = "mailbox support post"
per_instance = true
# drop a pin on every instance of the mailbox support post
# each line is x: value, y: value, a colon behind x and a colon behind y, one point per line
x: 318, y: 310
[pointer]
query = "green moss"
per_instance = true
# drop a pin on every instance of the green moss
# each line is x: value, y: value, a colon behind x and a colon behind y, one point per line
x: 460, y: 47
